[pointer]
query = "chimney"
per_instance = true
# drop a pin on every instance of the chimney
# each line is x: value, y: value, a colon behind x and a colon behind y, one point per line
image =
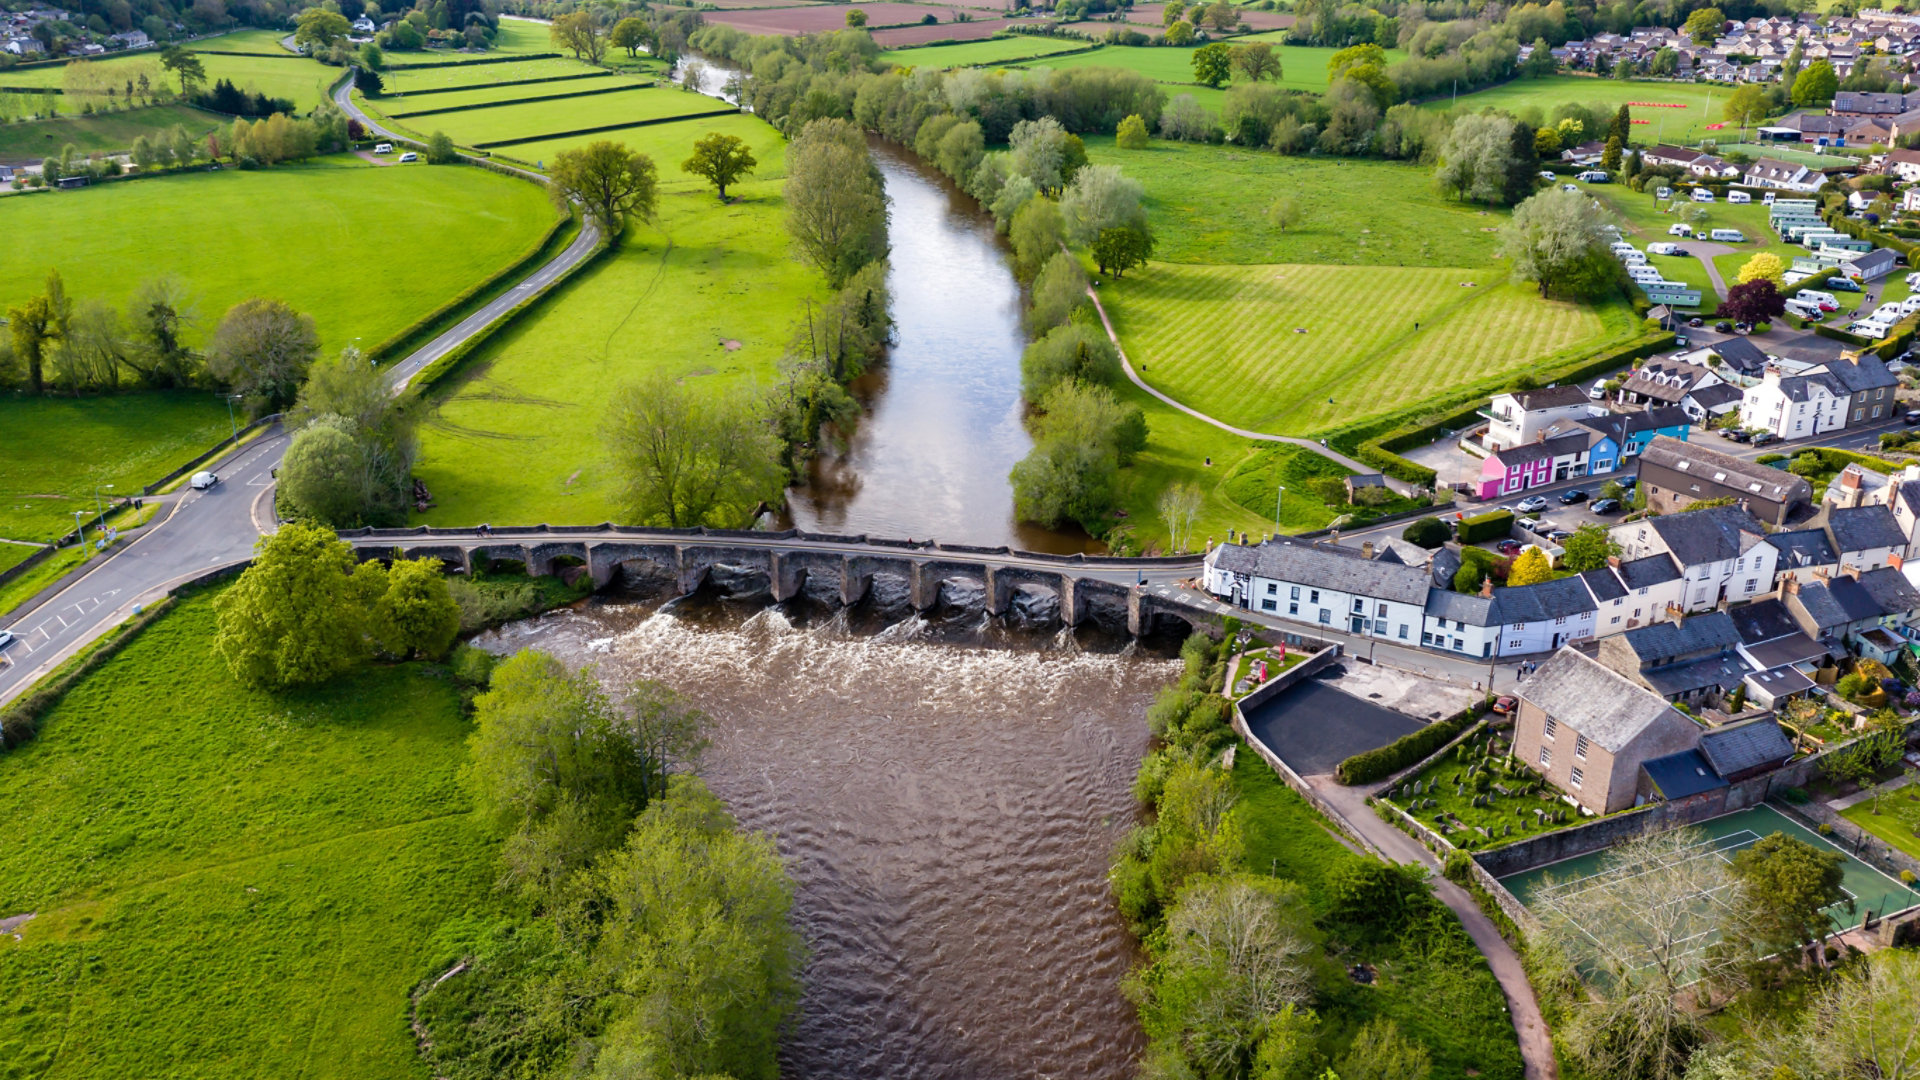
x: 1894, y: 560
x: 1613, y: 561
x: 1677, y: 614
x: 1851, y: 571
x: 1792, y: 586
x: 1820, y: 573
x: 1486, y: 588
x: 1850, y: 476
x: 1366, y: 550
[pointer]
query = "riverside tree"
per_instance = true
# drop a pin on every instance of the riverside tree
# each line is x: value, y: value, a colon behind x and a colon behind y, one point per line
x: 1068, y: 352
x: 1084, y: 436
x: 720, y: 160
x: 351, y: 460
x: 262, y: 350
x: 1101, y: 197
x: 686, y: 458
x: 1554, y: 239
x: 298, y: 614
x: 611, y: 181
x: 836, y: 204
x: 580, y: 34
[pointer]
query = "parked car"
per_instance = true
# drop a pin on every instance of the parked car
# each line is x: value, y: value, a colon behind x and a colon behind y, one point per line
x: 1571, y: 496
x: 1742, y: 328
x: 1913, y: 417
x: 1508, y: 547
x: 1680, y: 230
x: 1840, y: 284
x: 203, y: 480
x: 1597, y: 392
x: 1723, y: 326
x: 1734, y: 434
x: 409, y: 157
x: 1605, y: 506
x: 1531, y: 505
x: 1762, y: 438
x: 1631, y: 482
x: 1505, y: 704
x: 1532, y: 525
x: 1696, y: 323
x: 1558, y: 535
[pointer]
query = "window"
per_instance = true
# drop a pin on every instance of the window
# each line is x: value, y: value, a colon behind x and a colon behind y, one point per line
x: 1546, y: 757
x: 1858, y: 413
x: 1552, y: 728
x: 1426, y: 638
x: 1359, y: 606
x: 1513, y: 644
x: 1560, y: 621
x: 1752, y: 584
x: 1403, y: 631
x: 1578, y: 776
x: 1293, y: 609
x: 1740, y: 564
x: 1876, y: 412
x: 1580, y: 747
x: 1315, y: 597
x: 1267, y: 605
x: 1615, y: 622
x: 1326, y: 616
x: 1296, y: 593
x: 1272, y: 588
x: 1381, y: 611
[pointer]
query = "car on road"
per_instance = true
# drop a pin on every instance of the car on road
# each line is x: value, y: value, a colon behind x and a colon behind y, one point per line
x: 409, y: 157
x: 1696, y: 323
x: 1508, y: 547
x: 1912, y: 417
x: 6, y: 638
x: 1723, y: 326
x: 1571, y: 496
x: 1531, y: 505
x: 1762, y: 438
x: 384, y: 148
x: 203, y: 480
x: 1605, y: 506
x: 1734, y: 434
x: 1630, y: 482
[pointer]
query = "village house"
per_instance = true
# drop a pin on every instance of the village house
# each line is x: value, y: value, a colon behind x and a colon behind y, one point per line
x: 1587, y: 729
x: 1865, y: 537
x: 1865, y: 612
x: 1722, y: 552
x: 1324, y: 585
x: 1902, y: 164
x: 1771, y: 640
x: 1690, y: 659
x: 1677, y: 474
x: 1513, y: 470
x: 1795, y: 406
x: 1771, y: 173
x: 1613, y: 439
x: 1519, y: 416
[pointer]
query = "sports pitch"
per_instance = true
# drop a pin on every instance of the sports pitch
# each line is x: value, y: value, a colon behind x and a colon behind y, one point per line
x: 1869, y: 889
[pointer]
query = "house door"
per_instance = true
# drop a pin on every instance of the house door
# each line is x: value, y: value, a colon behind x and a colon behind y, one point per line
x: 1357, y: 624
x: 1559, y: 640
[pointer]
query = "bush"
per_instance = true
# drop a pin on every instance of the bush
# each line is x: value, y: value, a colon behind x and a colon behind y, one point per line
x: 1488, y: 526
x: 440, y: 149
x: 471, y: 667
x: 1404, y: 751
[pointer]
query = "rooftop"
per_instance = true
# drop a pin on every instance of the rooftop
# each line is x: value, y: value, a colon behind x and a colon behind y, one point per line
x: 1680, y: 775
x: 1726, y: 470
x: 1593, y: 699
x: 1750, y: 744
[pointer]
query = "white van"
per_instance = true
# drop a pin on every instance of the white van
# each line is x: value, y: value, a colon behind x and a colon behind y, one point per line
x: 1804, y: 309
x: 1731, y: 236
x: 383, y: 148
x: 1739, y: 197
x: 1680, y: 230
x: 1663, y: 249
x: 409, y: 158
x: 1701, y: 194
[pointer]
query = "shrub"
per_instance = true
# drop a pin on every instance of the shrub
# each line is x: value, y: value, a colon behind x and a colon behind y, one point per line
x: 1402, y: 752
x: 470, y: 666
x: 1907, y: 877
x: 1428, y: 532
x: 1489, y: 526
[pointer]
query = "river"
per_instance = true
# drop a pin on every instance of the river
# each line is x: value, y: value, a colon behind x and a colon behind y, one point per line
x: 946, y: 810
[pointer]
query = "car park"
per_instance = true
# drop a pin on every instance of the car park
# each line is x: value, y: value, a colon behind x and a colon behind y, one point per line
x: 1605, y: 506
x: 1531, y: 505
x: 1571, y: 496
x: 203, y: 480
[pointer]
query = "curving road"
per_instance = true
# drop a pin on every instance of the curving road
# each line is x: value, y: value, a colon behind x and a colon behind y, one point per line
x: 203, y: 530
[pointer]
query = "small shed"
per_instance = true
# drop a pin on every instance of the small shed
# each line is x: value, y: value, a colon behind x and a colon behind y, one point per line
x: 68, y: 183
x: 1359, y: 482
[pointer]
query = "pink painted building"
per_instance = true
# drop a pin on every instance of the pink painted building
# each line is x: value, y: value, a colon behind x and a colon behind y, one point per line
x: 1517, y: 468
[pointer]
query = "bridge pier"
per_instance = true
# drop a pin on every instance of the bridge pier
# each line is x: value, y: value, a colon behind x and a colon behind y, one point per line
x: 786, y: 576
x: 1069, y: 601
x: 923, y: 587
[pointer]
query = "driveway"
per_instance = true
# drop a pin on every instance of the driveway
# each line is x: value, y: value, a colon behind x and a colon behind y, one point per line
x: 1705, y: 251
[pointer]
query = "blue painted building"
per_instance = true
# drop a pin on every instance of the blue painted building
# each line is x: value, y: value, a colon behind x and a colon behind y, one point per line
x: 1615, y: 439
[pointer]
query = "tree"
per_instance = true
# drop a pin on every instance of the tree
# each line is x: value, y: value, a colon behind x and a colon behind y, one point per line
x: 185, y: 66
x: 1381, y: 1052
x: 630, y: 34
x: 1131, y: 134
x: 36, y: 327
x: 1764, y: 266
x: 1530, y: 567
x: 687, y: 457
x: 1121, y: 248
x: 856, y: 18
x: 1059, y: 289
x: 1179, y: 505
x: 1610, y: 157
x: 612, y: 182
x: 1036, y: 233
x: 1786, y: 886
x: 440, y: 149
x: 371, y: 58
x: 1069, y: 352
x: 720, y: 160
x: 1704, y: 25
x: 1427, y: 532
x: 1554, y: 239
x: 158, y: 315
x: 1239, y: 950
x: 320, y: 480
x: 1747, y: 105
x: 317, y: 29
x: 1221, y: 14
x: 1101, y: 197
x: 298, y: 614
x: 416, y: 615
x: 1755, y: 301
x: 368, y: 82
x: 1256, y: 62
x: 1212, y: 64
x: 836, y: 204
x: 581, y: 35
x: 1815, y: 85
x: 1179, y: 34
x: 262, y: 350
x: 1476, y: 158
x: 1172, y: 12
x: 144, y: 157
x: 1284, y: 212
x: 697, y: 938
x: 1084, y: 436
x: 1588, y: 548
x: 1546, y: 143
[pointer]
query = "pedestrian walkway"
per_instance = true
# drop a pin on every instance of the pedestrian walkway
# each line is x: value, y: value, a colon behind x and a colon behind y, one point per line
x: 1848, y: 802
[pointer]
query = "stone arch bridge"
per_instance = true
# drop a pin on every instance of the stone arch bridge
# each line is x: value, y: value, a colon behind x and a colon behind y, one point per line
x: 826, y: 566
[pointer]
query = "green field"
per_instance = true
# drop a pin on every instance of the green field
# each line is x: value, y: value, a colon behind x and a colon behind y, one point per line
x: 229, y: 883
x: 990, y: 51
x: 515, y: 36
x: 516, y: 436
x: 1702, y: 103
x: 12, y: 555
x: 280, y: 75
x: 262, y: 42
x: 1209, y: 204
x: 1303, y: 67
x: 59, y: 449
x: 398, y: 83
x: 568, y: 114
x: 1223, y: 339
x: 669, y: 144
x: 489, y: 95
x: 335, y: 239
x: 36, y: 139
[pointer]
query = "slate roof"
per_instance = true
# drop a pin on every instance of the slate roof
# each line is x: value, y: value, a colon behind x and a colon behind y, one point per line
x: 1340, y: 569
x: 1856, y: 376
x: 1593, y: 699
x: 1650, y: 571
x: 1604, y: 584
x: 1858, y: 528
x: 1762, y: 620
x: 1780, y: 681
x: 1665, y: 379
x: 1715, y: 534
x: 1446, y: 563
x: 1740, y: 354
x: 1802, y: 548
x: 1774, y: 485
x: 1709, y: 397
x: 1908, y: 492
x: 1444, y: 603
x: 1794, y: 648
x: 1550, y: 448
x: 1801, y: 387
x: 1712, y: 630
x: 1562, y: 598
x: 1751, y: 744
x: 1838, y: 602
x: 1723, y: 671
x: 1550, y: 397
x: 1890, y: 590
x: 1876, y: 261
x: 1680, y: 775
x: 1621, y: 426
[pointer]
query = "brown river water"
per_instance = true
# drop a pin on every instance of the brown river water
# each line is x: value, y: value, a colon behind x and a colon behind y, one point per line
x: 946, y: 796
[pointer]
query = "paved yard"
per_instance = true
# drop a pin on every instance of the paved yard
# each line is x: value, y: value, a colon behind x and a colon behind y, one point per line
x: 1408, y: 692
x: 1316, y: 725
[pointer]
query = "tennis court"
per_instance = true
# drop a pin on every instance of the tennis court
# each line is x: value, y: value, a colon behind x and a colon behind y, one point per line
x: 1723, y: 838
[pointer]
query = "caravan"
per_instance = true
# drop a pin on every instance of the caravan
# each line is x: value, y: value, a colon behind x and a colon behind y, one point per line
x: 1643, y: 275
x: 1701, y: 194
x: 1728, y: 236
x: 1680, y: 230
x: 1739, y: 197
x: 1805, y: 310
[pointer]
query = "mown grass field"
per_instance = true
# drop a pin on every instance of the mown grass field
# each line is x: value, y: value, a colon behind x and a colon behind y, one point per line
x: 490, y: 95
x: 1303, y: 67
x: 990, y: 51
x: 337, y: 239
x: 232, y: 883
x: 280, y: 74
x: 669, y: 144
x: 59, y: 449
x: 1209, y: 204
x: 36, y: 139
x: 710, y: 295
x: 1896, y: 822
x: 1700, y: 104
x: 516, y: 121
x: 1225, y: 339
x: 440, y: 76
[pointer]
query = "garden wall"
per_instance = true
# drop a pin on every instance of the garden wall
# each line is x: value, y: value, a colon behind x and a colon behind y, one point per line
x: 1289, y: 678
x: 1510, y: 904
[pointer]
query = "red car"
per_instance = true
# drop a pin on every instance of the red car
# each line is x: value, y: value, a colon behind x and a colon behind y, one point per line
x: 1508, y: 547
x: 1504, y: 704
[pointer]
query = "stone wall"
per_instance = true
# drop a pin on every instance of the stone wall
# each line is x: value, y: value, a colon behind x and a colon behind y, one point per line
x: 1287, y: 679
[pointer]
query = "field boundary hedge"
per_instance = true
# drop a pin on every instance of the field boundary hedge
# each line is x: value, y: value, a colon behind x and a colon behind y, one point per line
x: 1409, y: 749
x: 497, y: 143
x: 262, y: 55
x: 522, y: 101
x: 1095, y: 47
x: 490, y: 86
x: 1375, y: 441
x: 428, y: 326
x: 433, y: 374
x: 479, y: 60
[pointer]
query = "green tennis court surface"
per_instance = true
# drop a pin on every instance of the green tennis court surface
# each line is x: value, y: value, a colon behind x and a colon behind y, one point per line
x: 1722, y: 838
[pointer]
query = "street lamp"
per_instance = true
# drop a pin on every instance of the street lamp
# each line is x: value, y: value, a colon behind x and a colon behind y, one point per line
x: 97, y: 505
x: 231, y: 422
x: 1277, y: 496
x: 78, y: 529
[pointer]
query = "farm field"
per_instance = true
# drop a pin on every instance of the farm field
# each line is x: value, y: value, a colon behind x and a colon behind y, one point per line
x: 1229, y: 340
x: 491, y: 95
x: 283, y: 75
x: 36, y: 139
x: 516, y: 36
x: 234, y: 234
x: 990, y: 51
x: 1303, y: 67
x: 1209, y: 204
x: 901, y: 37
x: 229, y: 883
x: 816, y: 18
x: 445, y: 76
x: 515, y: 436
x: 1701, y: 103
x: 1154, y: 15
x: 517, y: 121
x: 669, y: 144
x: 58, y: 449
